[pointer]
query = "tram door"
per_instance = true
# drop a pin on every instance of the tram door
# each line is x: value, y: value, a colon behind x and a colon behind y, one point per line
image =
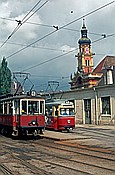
x: 87, y: 109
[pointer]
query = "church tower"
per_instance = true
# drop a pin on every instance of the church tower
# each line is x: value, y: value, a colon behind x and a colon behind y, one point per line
x: 85, y: 59
x: 84, y: 77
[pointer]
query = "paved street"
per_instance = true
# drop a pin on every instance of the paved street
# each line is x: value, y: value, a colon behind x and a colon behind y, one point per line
x: 86, y: 150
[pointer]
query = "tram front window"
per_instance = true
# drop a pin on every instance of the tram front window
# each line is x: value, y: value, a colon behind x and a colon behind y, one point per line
x: 33, y: 107
x: 66, y: 111
x: 63, y: 111
x: 71, y: 111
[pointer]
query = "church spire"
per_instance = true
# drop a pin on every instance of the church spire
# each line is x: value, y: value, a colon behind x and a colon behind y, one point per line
x: 84, y: 39
x: 84, y: 23
x: 85, y: 59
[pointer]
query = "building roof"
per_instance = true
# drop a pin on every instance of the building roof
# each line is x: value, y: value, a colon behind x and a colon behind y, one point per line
x: 106, y: 62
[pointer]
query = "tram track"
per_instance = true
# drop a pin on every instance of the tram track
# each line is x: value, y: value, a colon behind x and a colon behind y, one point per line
x: 38, y: 147
x: 5, y: 170
x: 21, y: 163
x: 15, y: 162
x: 104, y: 160
x: 59, y: 161
x: 75, y: 163
x: 46, y: 157
x: 77, y: 149
x: 93, y: 130
x: 36, y: 170
x: 65, y: 163
x: 80, y: 150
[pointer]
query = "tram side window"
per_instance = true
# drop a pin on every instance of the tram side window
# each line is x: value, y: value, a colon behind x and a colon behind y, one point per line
x: 48, y: 110
x: 33, y: 107
x: 1, y: 108
x: 56, y: 111
x: 17, y: 106
x: 24, y: 107
x: 5, y: 108
x: 10, y: 107
x: 41, y: 107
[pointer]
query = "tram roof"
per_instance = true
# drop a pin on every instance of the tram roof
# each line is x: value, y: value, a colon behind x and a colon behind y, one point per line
x: 58, y: 102
x: 25, y: 96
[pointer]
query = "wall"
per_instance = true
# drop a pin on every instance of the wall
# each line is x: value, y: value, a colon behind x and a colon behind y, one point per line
x: 95, y: 95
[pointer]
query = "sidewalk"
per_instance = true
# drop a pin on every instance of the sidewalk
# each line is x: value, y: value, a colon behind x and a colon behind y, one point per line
x: 95, y: 126
x: 62, y: 136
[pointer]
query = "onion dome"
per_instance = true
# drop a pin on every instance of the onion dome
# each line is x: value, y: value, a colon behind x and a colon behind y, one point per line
x: 84, y: 39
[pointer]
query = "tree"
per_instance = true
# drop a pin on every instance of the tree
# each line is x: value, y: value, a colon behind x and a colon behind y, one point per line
x: 5, y: 78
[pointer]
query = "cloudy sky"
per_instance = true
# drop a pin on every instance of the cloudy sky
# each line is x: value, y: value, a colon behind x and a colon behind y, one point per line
x: 48, y: 54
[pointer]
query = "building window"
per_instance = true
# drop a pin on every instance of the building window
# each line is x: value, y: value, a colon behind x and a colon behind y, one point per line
x: 87, y: 110
x: 87, y: 62
x: 83, y: 49
x: 106, y: 109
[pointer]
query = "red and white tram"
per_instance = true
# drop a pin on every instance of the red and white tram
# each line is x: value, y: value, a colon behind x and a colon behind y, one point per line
x: 60, y: 115
x: 22, y: 115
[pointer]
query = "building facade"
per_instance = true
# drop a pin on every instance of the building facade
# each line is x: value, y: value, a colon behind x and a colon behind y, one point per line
x: 95, y: 105
x: 92, y: 90
x: 86, y: 76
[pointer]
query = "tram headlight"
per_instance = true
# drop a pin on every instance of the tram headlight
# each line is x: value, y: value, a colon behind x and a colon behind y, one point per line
x: 68, y: 121
x: 33, y: 123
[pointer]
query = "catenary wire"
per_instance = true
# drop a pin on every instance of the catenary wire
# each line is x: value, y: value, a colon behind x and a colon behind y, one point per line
x: 39, y: 47
x: 20, y: 22
x: 46, y: 61
x: 93, y: 11
x: 50, y: 26
x: 46, y: 48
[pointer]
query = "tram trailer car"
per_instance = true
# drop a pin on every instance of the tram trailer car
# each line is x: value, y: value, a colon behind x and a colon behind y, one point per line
x: 22, y: 115
x: 60, y: 116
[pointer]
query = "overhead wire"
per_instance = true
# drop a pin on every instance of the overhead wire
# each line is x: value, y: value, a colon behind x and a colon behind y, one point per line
x: 33, y: 46
x: 31, y: 10
x: 93, y: 11
x: 54, y: 49
x: 20, y: 22
x: 104, y: 36
x: 50, y: 26
x: 46, y: 61
x: 49, y: 76
x: 62, y: 77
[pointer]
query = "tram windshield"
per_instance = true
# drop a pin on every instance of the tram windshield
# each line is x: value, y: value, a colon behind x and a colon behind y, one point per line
x: 66, y: 111
x: 59, y: 110
x: 32, y: 106
x: 22, y: 106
